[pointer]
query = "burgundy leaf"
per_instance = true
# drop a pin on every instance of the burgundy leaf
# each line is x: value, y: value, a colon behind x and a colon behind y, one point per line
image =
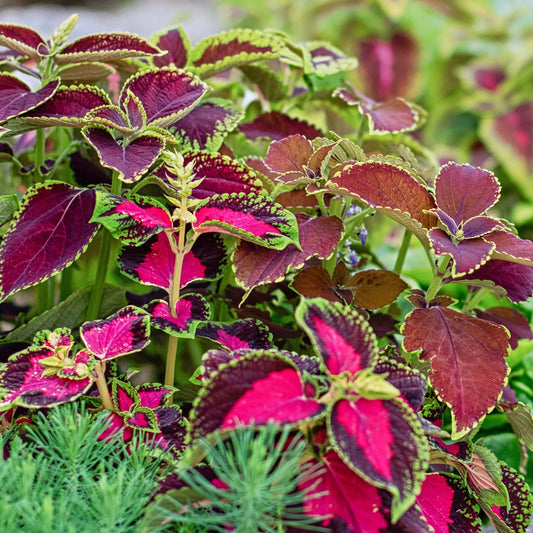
x: 255, y: 265
x: 340, y: 335
x: 105, y: 47
x: 16, y: 97
x: 49, y: 232
x: 23, y: 40
x: 166, y: 94
x: 247, y: 333
x: 252, y: 218
x: 190, y: 310
x: 125, y: 332
x: 236, y: 395
x: 289, y: 157
x: 112, y: 117
x: 275, y: 125
x: 133, y: 220
x: 174, y: 41
x: 457, y: 346
x: 517, y: 324
x: 343, y: 494
x: 511, y: 247
x: 153, y: 262
x: 130, y: 160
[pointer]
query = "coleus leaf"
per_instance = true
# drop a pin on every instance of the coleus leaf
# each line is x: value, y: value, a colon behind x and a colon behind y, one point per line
x: 130, y: 160
x: 67, y: 107
x: 457, y: 345
x: 252, y: 218
x: 237, y: 47
x: 105, y: 47
x: 341, y: 493
x: 510, y: 247
x: 326, y: 60
x: 340, y: 335
x: 383, y: 441
x: 246, y: 333
x: 189, y: 311
x: 275, y: 125
x: 23, y: 40
x: 166, y: 94
x: 123, y: 333
x: 85, y: 72
x: 206, y: 126
x: 27, y: 383
x: 389, y: 188
x: 255, y: 265
x: 153, y: 262
x: 132, y: 220
x: 517, y: 324
x: 175, y: 44
x: 16, y: 97
x: 236, y: 393
x: 54, y: 225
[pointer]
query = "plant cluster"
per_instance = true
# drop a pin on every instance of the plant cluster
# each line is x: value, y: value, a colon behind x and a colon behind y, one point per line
x: 191, y: 208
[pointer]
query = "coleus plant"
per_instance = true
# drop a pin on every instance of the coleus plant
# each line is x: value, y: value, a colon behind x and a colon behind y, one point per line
x: 239, y: 250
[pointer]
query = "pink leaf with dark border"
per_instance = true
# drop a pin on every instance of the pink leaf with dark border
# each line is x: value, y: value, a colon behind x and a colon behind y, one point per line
x: 49, y: 232
x: 166, y: 94
x: 275, y: 125
x: 176, y: 45
x: 16, y: 97
x: 382, y: 440
x: 339, y: 334
x: 130, y: 160
x: 125, y: 332
x: 341, y: 493
x: 153, y: 262
x: 246, y: 333
x: 23, y: 40
x: 105, y: 47
x: 255, y: 265
x: 259, y: 387
x: 190, y: 310
x: 252, y: 218
x: 132, y: 220
x: 457, y: 346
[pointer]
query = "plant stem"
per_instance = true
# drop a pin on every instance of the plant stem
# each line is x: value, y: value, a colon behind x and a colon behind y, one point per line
x: 436, y: 282
x: 40, y: 141
x: 102, y: 386
x: 476, y: 298
x: 103, y: 263
x: 402, y: 252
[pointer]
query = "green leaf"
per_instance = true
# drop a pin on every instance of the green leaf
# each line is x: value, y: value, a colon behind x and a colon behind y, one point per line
x: 8, y: 207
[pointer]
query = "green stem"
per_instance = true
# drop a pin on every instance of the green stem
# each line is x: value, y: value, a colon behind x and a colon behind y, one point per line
x: 103, y: 263
x: 65, y: 284
x: 402, y: 252
x: 476, y: 298
x: 102, y: 386
x: 40, y: 141
x: 436, y: 282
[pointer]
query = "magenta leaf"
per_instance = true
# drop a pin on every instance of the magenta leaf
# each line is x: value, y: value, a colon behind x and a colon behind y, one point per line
x: 125, y: 332
x: 252, y: 218
x: 206, y: 126
x: 23, y: 40
x: 153, y: 262
x: 112, y: 117
x: 382, y: 440
x: 105, y: 47
x: 275, y: 125
x: 67, y: 107
x: 175, y: 44
x: 166, y: 94
x: 131, y: 160
x: 46, y: 373
x: 246, y: 333
x: 457, y: 346
x: 132, y: 220
x: 340, y: 335
x: 257, y: 388
x: 342, y: 494
x: 190, y: 310
x: 16, y: 97
x: 49, y: 232
x: 255, y: 265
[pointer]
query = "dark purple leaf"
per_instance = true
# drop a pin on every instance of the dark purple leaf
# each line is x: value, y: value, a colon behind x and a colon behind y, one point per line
x: 249, y: 217
x: 50, y: 231
x: 176, y: 45
x: 16, y: 97
x: 86, y: 172
x: 126, y: 332
x: 112, y: 117
x: 517, y: 324
x: 275, y: 125
x: 166, y: 94
x: 259, y: 387
x: 247, y: 333
x: 153, y: 262
x: 23, y: 40
x: 130, y: 160
x: 190, y: 310
x: 255, y: 265
x: 105, y: 47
